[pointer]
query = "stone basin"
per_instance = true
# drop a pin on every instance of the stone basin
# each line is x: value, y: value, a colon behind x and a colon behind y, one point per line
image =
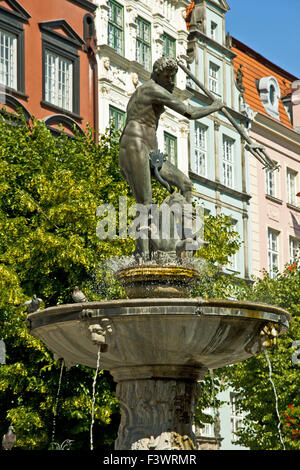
x: 199, y: 333
x: 156, y: 350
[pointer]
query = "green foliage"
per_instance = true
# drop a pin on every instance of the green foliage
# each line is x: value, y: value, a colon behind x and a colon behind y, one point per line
x: 251, y: 377
x: 221, y: 243
x: 50, y: 190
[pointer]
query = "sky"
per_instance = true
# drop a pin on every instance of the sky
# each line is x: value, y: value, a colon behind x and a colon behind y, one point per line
x: 270, y: 27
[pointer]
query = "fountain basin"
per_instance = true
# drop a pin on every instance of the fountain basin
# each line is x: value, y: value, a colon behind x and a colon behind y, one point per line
x: 147, y: 281
x: 146, y: 333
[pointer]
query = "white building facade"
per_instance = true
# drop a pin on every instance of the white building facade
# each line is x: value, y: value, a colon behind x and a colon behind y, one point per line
x: 131, y: 35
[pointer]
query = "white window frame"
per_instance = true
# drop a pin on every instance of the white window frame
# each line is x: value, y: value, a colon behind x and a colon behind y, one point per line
x: 291, y: 181
x: 214, y: 71
x: 294, y: 245
x: 236, y: 416
x: 273, y: 252
x: 201, y: 150
x: 208, y: 428
x: 8, y: 59
x: 271, y: 186
x: 57, y: 91
x: 228, y: 161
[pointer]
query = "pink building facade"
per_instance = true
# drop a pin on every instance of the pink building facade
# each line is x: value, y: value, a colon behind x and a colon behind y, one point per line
x: 271, y: 98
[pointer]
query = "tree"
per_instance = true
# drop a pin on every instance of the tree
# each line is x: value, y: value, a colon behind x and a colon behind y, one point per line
x: 50, y: 190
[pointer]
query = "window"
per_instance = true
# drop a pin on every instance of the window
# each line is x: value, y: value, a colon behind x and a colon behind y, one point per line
x: 169, y: 46
x: 143, y: 43
x: 291, y: 177
x: 294, y: 249
x: 58, y: 80
x: 12, y: 50
x: 200, y: 150
x: 273, y: 252
x: 8, y: 59
x: 213, y: 78
x: 208, y: 428
x: 116, y: 26
x: 171, y: 147
x: 272, y: 94
x: 228, y: 162
x: 236, y: 415
x: 270, y: 183
x: 117, y: 116
x: 213, y: 30
x: 61, y: 67
x: 269, y: 92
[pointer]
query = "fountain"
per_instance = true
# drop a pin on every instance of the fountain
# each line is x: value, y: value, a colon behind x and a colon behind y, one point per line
x: 158, y: 343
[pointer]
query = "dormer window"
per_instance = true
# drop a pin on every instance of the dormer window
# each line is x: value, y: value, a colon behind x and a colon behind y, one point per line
x: 269, y: 94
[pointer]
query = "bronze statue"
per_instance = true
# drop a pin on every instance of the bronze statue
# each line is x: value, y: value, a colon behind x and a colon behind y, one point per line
x: 138, y: 139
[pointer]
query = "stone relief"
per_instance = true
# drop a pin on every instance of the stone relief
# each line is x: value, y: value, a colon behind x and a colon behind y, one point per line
x: 160, y: 409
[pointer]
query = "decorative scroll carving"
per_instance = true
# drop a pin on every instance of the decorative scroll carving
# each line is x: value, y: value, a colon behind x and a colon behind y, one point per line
x: 156, y: 414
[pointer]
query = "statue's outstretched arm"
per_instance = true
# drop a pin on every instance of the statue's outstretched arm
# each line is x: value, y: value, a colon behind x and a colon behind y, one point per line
x: 163, y: 97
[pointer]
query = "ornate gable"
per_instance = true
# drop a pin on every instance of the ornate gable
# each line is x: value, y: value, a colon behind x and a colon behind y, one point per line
x: 222, y: 4
x: 14, y: 7
x: 62, y: 30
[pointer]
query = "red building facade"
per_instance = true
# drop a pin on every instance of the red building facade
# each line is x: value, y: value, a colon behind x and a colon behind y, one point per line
x: 48, y: 64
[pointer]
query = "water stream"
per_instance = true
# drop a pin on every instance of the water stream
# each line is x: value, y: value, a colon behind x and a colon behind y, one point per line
x: 215, y: 413
x: 276, y: 398
x: 94, y: 399
x: 56, y: 402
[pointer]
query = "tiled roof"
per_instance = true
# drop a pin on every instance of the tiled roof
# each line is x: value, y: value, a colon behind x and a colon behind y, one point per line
x: 255, y: 67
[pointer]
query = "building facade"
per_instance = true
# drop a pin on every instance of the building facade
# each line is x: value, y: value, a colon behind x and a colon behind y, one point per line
x: 131, y: 36
x: 48, y: 64
x: 218, y: 163
x: 273, y: 96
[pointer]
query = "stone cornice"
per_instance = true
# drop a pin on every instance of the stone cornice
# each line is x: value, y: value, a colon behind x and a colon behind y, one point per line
x: 276, y: 127
x: 223, y: 5
x: 224, y: 50
x: 86, y: 4
x: 217, y: 186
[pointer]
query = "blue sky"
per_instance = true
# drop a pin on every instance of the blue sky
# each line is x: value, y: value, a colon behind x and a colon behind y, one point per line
x: 270, y: 27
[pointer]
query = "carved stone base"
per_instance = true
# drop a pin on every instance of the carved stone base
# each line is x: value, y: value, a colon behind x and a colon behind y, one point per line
x: 157, y: 414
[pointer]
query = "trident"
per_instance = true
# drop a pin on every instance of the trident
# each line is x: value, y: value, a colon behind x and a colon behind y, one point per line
x: 256, y: 151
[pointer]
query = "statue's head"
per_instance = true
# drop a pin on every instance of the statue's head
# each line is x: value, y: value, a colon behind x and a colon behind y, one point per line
x: 164, y: 71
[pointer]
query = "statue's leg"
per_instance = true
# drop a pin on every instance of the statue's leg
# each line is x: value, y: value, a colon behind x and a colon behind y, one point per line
x: 176, y: 177
x: 134, y: 162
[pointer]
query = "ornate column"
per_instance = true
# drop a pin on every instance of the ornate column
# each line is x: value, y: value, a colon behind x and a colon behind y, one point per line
x: 156, y: 413
x: 102, y: 21
x: 131, y: 31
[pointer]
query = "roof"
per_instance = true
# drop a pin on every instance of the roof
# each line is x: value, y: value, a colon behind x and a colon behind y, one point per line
x: 255, y: 67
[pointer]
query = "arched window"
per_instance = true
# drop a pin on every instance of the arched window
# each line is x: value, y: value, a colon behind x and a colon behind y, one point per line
x: 269, y: 94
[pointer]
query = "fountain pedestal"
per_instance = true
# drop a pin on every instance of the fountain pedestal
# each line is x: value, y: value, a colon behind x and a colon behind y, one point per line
x: 156, y: 414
